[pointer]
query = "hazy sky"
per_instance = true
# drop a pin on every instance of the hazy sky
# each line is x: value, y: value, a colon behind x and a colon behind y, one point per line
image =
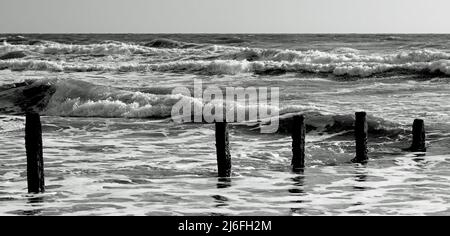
x: 224, y: 16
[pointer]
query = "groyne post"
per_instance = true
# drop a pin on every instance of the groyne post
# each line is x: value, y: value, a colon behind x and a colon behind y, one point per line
x: 223, y: 150
x: 35, y: 159
x: 419, y: 136
x: 298, y: 131
x: 361, y: 136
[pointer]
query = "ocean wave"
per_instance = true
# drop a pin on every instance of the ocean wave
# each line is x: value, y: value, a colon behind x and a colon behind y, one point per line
x: 13, y: 55
x: 323, y: 122
x: 357, y: 69
x: 165, y: 55
x: 228, y: 52
x: 191, y: 66
x: 169, y: 43
x: 80, y: 99
x: 74, y: 98
x: 233, y: 67
x: 338, y: 55
x: 394, y: 38
x: 155, y: 48
x: 53, y: 48
x: 108, y: 48
x: 224, y: 40
x: 19, y: 39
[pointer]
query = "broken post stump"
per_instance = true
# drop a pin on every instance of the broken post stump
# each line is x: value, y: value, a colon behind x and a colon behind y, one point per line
x: 35, y: 159
x: 223, y: 149
x: 361, y: 136
x: 419, y: 137
x: 298, y: 131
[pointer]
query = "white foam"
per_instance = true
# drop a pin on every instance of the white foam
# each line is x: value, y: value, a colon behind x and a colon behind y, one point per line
x: 232, y: 67
x: 214, y: 59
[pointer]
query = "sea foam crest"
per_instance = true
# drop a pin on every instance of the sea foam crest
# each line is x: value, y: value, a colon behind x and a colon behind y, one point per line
x: 59, y: 48
x: 176, y: 57
x: 81, y: 99
x: 74, y: 98
x: 105, y: 48
x: 339, y: 55
x: 233, y: 67
x: 77, y: 98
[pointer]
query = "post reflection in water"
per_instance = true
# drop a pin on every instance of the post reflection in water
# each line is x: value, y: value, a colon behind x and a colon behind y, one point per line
x: 34, y: 202
x: 223, y: 183
x: 298, y: 183
x: 221, y: 201
x: 420, y: 159
x: 360, y: 176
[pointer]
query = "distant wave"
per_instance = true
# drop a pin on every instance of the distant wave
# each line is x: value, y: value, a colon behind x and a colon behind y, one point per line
x: 169, y: 43
x: 157, y: 46
x: 339, y: 55
x: 13, y: 55
x: 229, y: 40
x: 18, y: 39
x: 233, y: 67
x: 394, y: 38
x: 90, y: 49
x: 164, y: 55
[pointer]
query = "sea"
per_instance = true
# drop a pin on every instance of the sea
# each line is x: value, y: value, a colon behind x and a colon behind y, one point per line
x: 112, y: 148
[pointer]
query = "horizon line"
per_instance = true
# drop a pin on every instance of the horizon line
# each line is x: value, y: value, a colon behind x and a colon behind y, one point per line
x: 261, y: 33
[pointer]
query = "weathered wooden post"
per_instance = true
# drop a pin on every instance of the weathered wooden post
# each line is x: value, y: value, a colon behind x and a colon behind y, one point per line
x: 35, y: 159
x: 223, y: 149
x: 419, y: 136
x: 298, y: 131
x: 361, y: 135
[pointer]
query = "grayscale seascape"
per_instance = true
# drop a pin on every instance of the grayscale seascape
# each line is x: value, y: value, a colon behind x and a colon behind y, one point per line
x: 111, y: 147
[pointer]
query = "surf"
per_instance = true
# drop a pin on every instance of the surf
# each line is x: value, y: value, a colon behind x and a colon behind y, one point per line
x: 74, y: 98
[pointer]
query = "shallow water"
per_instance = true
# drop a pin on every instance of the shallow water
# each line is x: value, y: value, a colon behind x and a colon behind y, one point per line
x: 123, y: 167
x: 99, y: 160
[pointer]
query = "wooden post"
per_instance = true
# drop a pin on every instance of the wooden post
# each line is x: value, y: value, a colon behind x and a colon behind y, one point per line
x: 298, y: 142
x: 361, y: 135
x: 35, y: 160
x: 223, y: 149
x: 419, y: 136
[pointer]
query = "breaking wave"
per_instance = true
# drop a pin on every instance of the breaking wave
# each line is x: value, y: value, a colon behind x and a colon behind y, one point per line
x: 156, y: 48
x: 74, y: 98
x: 165, y: 55
x: 232, y: 67
x: 338, y: 55
x: 339, y: 124
x: 53, y: 48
